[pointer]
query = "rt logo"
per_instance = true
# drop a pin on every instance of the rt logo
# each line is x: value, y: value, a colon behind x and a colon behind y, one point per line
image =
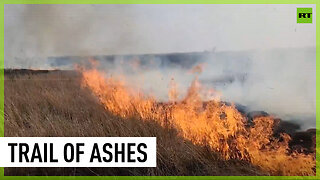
x: 304, y: 15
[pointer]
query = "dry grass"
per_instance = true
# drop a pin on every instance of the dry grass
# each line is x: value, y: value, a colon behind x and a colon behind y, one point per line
x: 54, y: 104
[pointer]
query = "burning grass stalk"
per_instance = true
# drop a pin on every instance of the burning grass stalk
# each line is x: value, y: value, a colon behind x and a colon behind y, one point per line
x: 222, y: 127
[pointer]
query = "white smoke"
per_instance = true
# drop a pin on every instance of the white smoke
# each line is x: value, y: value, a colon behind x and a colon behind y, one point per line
x: 280, y: 80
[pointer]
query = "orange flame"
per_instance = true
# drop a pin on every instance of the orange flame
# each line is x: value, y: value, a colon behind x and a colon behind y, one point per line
x: 213, y: 123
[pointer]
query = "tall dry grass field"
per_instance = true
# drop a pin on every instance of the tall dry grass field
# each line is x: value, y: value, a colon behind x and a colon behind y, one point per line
x: 52, y: 104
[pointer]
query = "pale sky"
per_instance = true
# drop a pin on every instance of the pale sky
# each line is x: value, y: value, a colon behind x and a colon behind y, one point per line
x: 55, y: 30
x: 282, y: 47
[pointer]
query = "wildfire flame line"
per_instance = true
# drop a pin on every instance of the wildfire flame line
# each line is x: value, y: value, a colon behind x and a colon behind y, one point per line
x: 222, y: 127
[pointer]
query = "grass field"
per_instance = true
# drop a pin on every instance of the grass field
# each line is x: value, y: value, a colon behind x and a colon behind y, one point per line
x: 52, y: 104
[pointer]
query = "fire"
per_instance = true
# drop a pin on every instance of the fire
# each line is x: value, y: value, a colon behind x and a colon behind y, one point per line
x: 213, y: 123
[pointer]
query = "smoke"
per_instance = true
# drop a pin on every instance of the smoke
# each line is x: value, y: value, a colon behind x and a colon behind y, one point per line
x: 35, y: 32
x: 280, y: 80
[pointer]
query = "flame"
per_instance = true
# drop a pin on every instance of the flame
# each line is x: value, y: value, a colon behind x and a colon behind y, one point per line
x: 213, y: 123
